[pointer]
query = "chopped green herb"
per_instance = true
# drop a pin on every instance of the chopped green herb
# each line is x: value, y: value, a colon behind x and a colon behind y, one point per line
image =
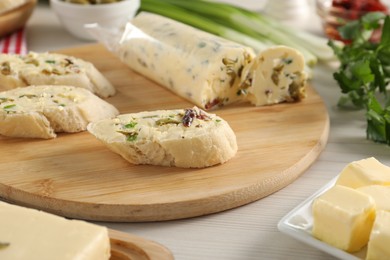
x: 4, y: 245
x: 56, y: 71
x: 28, y: 96
x: 364, y: 72
x: 130, y: 136
x: 50, y: 61
x: 9, y: 106
x: 218, y: 120
x: 3, y: 99
x: 150, y: 116
x: 202, y: 45
x: 287, y: 60
x: 168, y: 120
x: 132, y: 124
x: 32, y: 61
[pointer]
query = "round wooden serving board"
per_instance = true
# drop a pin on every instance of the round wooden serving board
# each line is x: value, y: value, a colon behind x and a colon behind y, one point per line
x: 76, y: 176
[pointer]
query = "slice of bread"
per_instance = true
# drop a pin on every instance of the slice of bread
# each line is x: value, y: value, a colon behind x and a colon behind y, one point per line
x: 187, y: 138
x: 51, y: 69
x: 42, y: 111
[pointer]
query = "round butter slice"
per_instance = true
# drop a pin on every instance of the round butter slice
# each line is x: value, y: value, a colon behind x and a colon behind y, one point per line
x: 187, y: 138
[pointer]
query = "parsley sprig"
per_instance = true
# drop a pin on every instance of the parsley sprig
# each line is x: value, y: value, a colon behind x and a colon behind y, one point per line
x: 364, y: 72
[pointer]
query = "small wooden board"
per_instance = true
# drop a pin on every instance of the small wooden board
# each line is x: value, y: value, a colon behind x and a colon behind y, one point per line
x: 76, y: 176
x: 130, y: 247
x: 16, y: 18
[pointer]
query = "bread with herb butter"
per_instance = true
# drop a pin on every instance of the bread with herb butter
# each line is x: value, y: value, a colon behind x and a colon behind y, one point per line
x: 42, y: 111
x: 187, y: 138
x: 51, y: 69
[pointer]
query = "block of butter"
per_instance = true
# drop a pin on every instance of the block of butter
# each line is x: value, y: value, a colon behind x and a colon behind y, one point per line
x: 379, y: 245
x: 32, y: 234
x: 343, y: 217
x: 364, y: 172
x: 380, y: 194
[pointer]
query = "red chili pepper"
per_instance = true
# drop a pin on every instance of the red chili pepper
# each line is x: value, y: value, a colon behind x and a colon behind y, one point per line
x: 352, y: 10
x: 360, y: 5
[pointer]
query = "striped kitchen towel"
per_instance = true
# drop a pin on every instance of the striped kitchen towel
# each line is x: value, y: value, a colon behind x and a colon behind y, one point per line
x: 14, y: 43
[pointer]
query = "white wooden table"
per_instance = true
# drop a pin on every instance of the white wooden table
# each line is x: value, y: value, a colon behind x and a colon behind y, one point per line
x: 250, y: 231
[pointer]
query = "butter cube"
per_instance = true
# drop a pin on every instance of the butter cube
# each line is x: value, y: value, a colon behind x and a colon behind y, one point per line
x: 364, y: 172
x: 379, y: 244
x: 343, y: 217
x: 380, y: 194
x: 31, y: 234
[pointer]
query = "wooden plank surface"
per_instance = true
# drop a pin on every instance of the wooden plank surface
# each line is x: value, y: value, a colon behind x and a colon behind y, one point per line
x: 76, y: 176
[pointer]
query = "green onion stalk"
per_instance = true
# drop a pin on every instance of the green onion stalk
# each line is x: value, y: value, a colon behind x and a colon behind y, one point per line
x: 241, y: 25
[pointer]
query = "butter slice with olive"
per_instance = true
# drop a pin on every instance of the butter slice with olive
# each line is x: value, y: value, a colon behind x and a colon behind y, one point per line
x: 51, y: 69
x: 276, y: 75
x: 42, y: 111
x: 187, y: 138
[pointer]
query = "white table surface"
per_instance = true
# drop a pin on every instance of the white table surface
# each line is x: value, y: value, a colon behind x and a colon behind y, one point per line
x: 250, y: 231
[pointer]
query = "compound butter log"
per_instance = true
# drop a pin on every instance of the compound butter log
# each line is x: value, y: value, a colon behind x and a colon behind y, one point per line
x: 206, y: 69
x: 200, y: 67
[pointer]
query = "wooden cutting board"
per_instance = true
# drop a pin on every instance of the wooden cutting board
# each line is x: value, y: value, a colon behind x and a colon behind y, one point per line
x: 76, y: 176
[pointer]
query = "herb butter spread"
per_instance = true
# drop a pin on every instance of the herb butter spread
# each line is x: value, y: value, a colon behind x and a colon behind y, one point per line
x: 188, y: 138
x: 51, y: 69
x: 208, y: 70
x: 41, y: 111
